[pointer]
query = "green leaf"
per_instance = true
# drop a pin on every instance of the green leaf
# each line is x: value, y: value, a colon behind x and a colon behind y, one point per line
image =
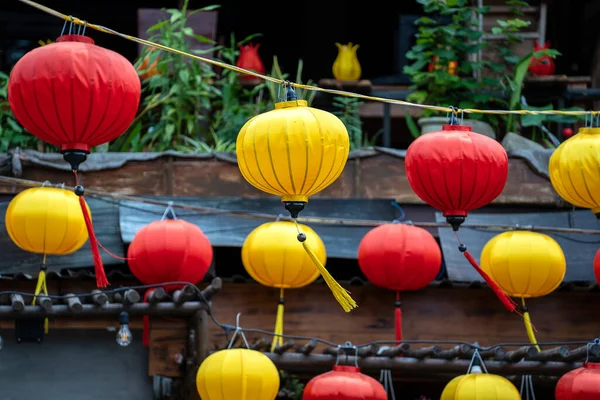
x: 204, y: 39
x: 158, y: 26
x: 14, y: 126
x: 175, y: 16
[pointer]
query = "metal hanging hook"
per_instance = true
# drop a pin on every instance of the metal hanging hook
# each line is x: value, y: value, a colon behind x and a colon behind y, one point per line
x: 238, y: 331
x: 168, y: 210
x: 347, y: 348
x: 452, y: 120
x: 71, y: 25
x: 476, y: 355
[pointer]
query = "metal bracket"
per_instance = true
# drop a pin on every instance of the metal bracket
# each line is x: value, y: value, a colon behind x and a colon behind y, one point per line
x: 29, y: 330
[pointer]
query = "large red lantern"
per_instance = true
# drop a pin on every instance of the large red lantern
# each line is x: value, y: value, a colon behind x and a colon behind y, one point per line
x: 399, y: 257
x: 580, y: 384
x: 344, y: 383
x: 597, y: 266
x: 169, y: 250
x: 74, y: 95
x: 456, y: 171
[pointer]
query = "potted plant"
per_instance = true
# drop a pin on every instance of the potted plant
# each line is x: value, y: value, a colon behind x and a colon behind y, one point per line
x: 445, y: 71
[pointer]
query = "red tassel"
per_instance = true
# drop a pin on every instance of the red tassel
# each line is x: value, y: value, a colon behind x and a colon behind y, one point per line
x: 507, y: 301
x: 146, y: 329
x: 101, y: 280
x: 398, y: 321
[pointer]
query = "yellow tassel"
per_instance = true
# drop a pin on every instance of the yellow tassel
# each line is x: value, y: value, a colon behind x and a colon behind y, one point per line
x: 529, y: 326
x: 341, y: 295
x: 278, y: 339
x: 41, y: 287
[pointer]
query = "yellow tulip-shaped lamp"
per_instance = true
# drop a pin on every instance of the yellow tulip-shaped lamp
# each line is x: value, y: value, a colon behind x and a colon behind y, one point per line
x: 524, y: 264
x: 47, y: 221
x: 273, y: 257
x: 346, y: 66
x: 574, y: 167
x: 295, y: 151
x: 480, y: 386
x: 239, y: 374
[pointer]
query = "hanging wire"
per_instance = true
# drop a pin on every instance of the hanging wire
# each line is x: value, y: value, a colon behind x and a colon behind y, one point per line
x: 222, y: 64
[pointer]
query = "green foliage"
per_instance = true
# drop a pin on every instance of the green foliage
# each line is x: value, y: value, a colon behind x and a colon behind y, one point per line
x: 347, y: 112
x: 275, y: 90
x: 291, y: 388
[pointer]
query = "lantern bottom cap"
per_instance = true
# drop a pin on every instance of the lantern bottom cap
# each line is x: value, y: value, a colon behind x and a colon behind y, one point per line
x: 596, y: 211
x: 75, y: 158
x: 294, y: 207
x: 455, y: 221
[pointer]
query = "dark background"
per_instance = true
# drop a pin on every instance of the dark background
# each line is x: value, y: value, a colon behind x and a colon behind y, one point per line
x: 305, y: 30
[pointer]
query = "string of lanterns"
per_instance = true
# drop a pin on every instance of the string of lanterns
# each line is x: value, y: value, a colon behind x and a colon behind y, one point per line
x: 76, y: 95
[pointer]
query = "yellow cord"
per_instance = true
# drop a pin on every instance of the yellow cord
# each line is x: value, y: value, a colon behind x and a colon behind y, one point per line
x: 278, y: 338
x: 41, y: 287
x: 221, y: 64
x: 529, y: 326
x: 341, y: 295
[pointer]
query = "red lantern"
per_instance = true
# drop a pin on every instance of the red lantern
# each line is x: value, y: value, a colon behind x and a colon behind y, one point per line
x: 456, y: 170
x: 399, y: 257
x: 580, y: 384
x: 169, y: 251
x: 344, y: 383
x: 74, y: 95
x: 250, y: 60
x: 597, y: 266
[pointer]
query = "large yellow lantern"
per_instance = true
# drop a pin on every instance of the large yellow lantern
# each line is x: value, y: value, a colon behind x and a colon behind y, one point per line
x: 574, y: 167
x: 273, y: 257
x: 293, y: 151
x: 524, y: 264
x: 46, y: 221
x: 480, y: 386
x: 239, y: 374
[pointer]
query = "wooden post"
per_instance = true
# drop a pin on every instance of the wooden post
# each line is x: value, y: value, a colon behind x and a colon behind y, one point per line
x: 199, y: 349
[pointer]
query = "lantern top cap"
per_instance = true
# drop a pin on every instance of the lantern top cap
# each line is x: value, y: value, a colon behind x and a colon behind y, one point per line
x: 464, y: 128
x: 290, y: 104
x: 75, y: 38
x: 346, y: 368
x: 591, y: 365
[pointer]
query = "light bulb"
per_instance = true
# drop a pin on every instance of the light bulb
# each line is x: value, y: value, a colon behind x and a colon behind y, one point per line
x: 124, y: 334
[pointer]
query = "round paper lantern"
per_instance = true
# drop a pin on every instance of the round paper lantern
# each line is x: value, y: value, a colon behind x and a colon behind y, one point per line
x: 456, y: 170
x: 293, y: 151
x: 597, y: 266
x: 273, y: 257
x: 237, y: 374
x: 47, y: 221
x: 573, y: 169
x: 524, y: 264
x: 399, y: 257
x: 170, y: 251
x: 74, y: 95
x: 344, y: 383
x: 580, y: 384
x: 478, y: 386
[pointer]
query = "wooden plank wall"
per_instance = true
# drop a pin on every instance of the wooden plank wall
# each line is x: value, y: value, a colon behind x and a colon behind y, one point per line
x: 378, y: 176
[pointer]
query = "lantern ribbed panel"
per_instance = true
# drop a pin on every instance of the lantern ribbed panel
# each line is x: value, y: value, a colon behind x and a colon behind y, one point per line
x: 574, y: 167
x: 344, y: 383
x: 456, y: 170
x: 46, y: 220
x: 239, y: 374
x: 524, y: 264
x: 399, y: 257
x: 293, y: 151
x: 272, y: 255
x: 74, y: 94
x: 580, y: 384
x: 480, y: 387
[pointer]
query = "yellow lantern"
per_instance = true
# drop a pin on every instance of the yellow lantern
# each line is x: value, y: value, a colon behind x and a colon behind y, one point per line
x: 237, y: 374
x: 479, y: 386
x: 273, y: 257
x: 574, y: 167
x: 524, y: 264
x: 46, y: 221
x: 293, y: 151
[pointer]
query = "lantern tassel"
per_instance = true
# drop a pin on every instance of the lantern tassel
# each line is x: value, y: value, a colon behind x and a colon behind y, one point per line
x: 101, y: 280
x: 146, y: 328
x: 507, y: 301
x: 398, y: 318
x: 41, y: 287
x: 278, y: 338
x: 529, y: 326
